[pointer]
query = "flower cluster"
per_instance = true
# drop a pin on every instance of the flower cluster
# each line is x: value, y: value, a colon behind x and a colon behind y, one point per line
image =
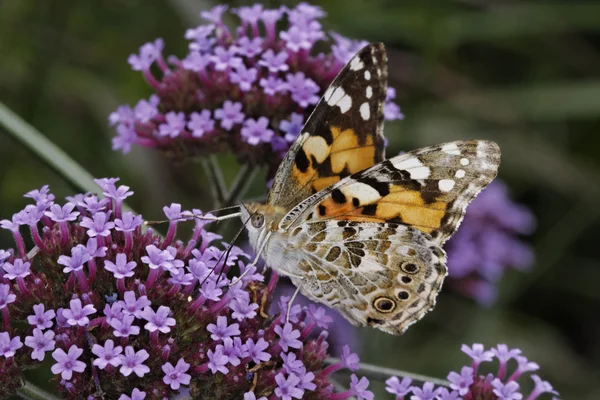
x: 248, y: 91
x: 470, y: 384
x: 487, y: 243
x: 125, y: 313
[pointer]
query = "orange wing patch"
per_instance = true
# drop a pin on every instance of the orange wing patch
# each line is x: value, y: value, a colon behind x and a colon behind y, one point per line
x: 324, y: 160
x: 399, y: 205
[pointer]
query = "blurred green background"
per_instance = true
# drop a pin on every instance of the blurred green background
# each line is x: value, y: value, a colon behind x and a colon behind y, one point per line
x: 523, y: 73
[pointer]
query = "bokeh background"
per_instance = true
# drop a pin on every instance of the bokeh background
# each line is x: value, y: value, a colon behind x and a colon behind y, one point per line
x: 523, y: 73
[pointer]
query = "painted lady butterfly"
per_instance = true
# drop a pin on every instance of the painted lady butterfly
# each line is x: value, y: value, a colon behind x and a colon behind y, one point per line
x: 356, y: 232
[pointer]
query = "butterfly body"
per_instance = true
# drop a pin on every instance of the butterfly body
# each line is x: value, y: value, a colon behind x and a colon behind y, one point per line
x: 353, y: 231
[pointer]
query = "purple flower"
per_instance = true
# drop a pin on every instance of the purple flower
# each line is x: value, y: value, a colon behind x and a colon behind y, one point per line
x: 157, y: 258
x: 93, y: 205
x: 428, y: 392
x: 320, y: 317
x: 145, y: 110
x: 303, y: 90
x: 134, y: 306
x: 292, y: 127
x: 306, y: 380
x: 288, y: 336
x: 230, y: 114
x: 252, y: 396
x: 256, y: 351
x: 107, y: 354
x: 397, y: 387
x: 360, y: 388
x: 506, y: 391
x: 41, y: 319
x: 175, y: 124
x: 242, y: 309
x: 291, y: 365
x: 243, y: 77
x: 79, y: 256
x: 461, y: 382
x: 214, y: 15
x: 124, y: 327
x: 62, y: 214
x: 222, y: 330
x: 233, y: 349
x: 67, y: 363
x: 196, y: 61
x: 158, y: 320
x: 6, y: 297
x: 350, y: 360
x: 201, y: 123
x: 250, y: 14
x: 123, y: 115
x: 9, y: 346
x: 40, y: 342
x: 256, y: 131
x: 225, y: 58
x: 122, y: 268
x: 296, y: 39
x: 287, y: 388
x: 133, y: 361
x: 136, y: 394
x: 217, y: 361
x: 175, y: 376
x: 274, y: 62
x: 99, y: 225
x: 149, y: 53
x: 478, y: 353
x: 77, y: 315
x: 173, y: 212
x: 504, y: 353
x: 541, y: 386
x: 249, y: 47
x: 18, y: 269
x: 272, y: 85
x: 128, y: 222
x: 445, y: 394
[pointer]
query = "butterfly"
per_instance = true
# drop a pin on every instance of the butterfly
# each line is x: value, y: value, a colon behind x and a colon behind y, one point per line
x: 358, y: 233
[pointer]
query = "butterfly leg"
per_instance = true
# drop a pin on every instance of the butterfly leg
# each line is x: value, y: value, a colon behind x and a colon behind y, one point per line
x: 291, y: 302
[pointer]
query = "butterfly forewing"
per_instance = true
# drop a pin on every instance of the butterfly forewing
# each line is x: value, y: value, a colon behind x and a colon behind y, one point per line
x: 342, y: 136
x: 428, y: 189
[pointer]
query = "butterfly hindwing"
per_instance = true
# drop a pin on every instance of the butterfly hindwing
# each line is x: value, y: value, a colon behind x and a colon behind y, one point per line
x: 428, y: 189
x: 342, y: 136
x: 375, y: 274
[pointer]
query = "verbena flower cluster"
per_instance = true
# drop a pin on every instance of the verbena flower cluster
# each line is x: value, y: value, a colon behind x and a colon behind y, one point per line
x: 473, y: 384
x: 488, y: 243
x: 123, y: 313
x: 248, y: 89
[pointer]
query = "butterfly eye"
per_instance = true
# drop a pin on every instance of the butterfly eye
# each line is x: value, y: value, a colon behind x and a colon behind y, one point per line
x: 258, y: 220
x: 384, y: 304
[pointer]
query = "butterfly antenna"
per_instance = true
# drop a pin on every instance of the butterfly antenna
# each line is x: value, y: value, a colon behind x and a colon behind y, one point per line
x: 226, y: 254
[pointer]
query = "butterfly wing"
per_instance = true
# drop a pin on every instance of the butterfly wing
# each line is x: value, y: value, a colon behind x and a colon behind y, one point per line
x: 375, y: 274
x: 343, y: 135
x: 428, y: 189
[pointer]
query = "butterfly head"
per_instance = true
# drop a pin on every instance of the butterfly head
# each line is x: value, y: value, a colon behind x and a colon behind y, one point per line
x: 260, y: 219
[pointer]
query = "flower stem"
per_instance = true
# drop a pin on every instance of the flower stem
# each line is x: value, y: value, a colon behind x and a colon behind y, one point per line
x: 240, y: 185
x: 378, y: 373
x: 31, y: 392
x: 213, y: 171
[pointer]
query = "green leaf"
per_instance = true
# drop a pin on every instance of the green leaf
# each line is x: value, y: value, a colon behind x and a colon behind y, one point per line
x: 46, y: 150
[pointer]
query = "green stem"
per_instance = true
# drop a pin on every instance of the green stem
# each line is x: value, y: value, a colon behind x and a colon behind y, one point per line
x: 213, y: 171
x: 240, y: 185
x: 46, y: 150
x: 375, y: 372
x: 31, y: 392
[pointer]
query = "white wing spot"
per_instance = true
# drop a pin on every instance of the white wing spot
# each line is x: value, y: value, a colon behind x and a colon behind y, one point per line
x: 412, y: 164
x: 335, y: 96
x: 369, y: 92
x: 368, y: 75
x: 365, y: 111
x: 446, y: 185
x: 451, y: 148
x: 356, y: 64
x: 328, y: 93
x: 460, y: 173
x: 464, y: 161
x: 366, y: 193
x: 345, y: 103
